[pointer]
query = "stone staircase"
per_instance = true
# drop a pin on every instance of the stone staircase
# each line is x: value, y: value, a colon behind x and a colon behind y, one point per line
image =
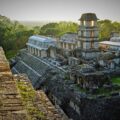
x: 39, y: 67
x: 18, y: 99
x: 21, y: 68
x: 41, y: 102
x: 11, y: 107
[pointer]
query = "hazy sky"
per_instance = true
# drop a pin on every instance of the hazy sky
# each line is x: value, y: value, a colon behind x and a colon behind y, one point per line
x: 59, y: 9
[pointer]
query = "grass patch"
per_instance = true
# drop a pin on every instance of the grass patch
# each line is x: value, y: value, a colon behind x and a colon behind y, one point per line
x: 83, y: 90
x: 28, y: 97
x: 11, y: 53
x: 103, y: 91
x: 116, y: 80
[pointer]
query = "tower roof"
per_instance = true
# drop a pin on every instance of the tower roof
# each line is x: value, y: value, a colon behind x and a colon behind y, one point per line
x: 88, y: 17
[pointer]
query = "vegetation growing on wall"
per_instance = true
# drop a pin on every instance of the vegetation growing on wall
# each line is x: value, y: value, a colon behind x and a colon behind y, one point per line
x: 28, y: 98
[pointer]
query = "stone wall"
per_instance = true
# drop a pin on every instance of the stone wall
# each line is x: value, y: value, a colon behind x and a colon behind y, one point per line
x: 11, y: 107
x: 77, y: 104
x: 39, y: 100
x: 18, y: 99
x: 101, y: 109
x: 21, y: 68
x: 33, y: 66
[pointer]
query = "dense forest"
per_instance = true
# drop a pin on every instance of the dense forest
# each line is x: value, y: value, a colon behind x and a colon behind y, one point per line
x: 14, y: 35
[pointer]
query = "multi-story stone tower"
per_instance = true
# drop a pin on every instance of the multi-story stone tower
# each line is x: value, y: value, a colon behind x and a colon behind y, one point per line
x: 88, y: 35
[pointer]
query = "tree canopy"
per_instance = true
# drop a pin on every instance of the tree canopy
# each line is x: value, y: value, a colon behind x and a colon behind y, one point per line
x: 106, y: 27
x: 13, y: 35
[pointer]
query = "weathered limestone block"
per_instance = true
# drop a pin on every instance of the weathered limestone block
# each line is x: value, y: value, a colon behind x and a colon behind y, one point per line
x: 10, y: 99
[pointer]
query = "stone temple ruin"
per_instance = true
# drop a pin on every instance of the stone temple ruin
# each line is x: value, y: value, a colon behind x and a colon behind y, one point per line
x: 41, y: 46
x: 75, y: 71
x: 18, y: 99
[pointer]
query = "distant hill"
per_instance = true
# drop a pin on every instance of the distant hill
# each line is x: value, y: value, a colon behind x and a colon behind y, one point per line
x: 34, y: 23
x: 31, y: 24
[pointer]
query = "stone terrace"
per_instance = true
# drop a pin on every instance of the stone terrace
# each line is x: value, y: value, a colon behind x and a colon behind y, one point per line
x: 4, y: 66
x: 11, y: 107
x: 18, y: 99
x: 39, y: 99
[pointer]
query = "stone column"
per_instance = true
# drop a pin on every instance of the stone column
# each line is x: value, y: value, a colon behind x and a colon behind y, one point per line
x: 37, y: 52
x: 30, y: 49
x: 67, y: 46
x: 62, y: 45
x: 71, y: 46
x: 40, y: 53
x: 43, y: 53
x: 33, y: 50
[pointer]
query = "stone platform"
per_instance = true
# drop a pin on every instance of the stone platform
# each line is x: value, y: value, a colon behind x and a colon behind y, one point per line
x: 11, y: 106
x: 18, y: 99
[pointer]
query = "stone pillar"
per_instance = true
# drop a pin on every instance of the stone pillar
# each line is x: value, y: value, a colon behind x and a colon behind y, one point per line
x: 33, y: 50
x: 40, y: 53
x: 30, y: 50
x: 78, y: 44
x: 37, y: 52
x: 43, y: 53
x: 52, y: 53
x: 63, y: 45
x: 67, y: 46
x: 71, y: 46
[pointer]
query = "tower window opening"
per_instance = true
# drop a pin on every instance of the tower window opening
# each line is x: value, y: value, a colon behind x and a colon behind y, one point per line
x: 92, y: 34
x: 81, y: 44
x: 82, y: 34
x: 92, y: 23
x: 84, y: 22
x: 92, y: 43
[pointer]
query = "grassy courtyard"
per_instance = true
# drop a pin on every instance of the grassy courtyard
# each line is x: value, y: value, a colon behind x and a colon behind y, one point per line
x: 116, y: 80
